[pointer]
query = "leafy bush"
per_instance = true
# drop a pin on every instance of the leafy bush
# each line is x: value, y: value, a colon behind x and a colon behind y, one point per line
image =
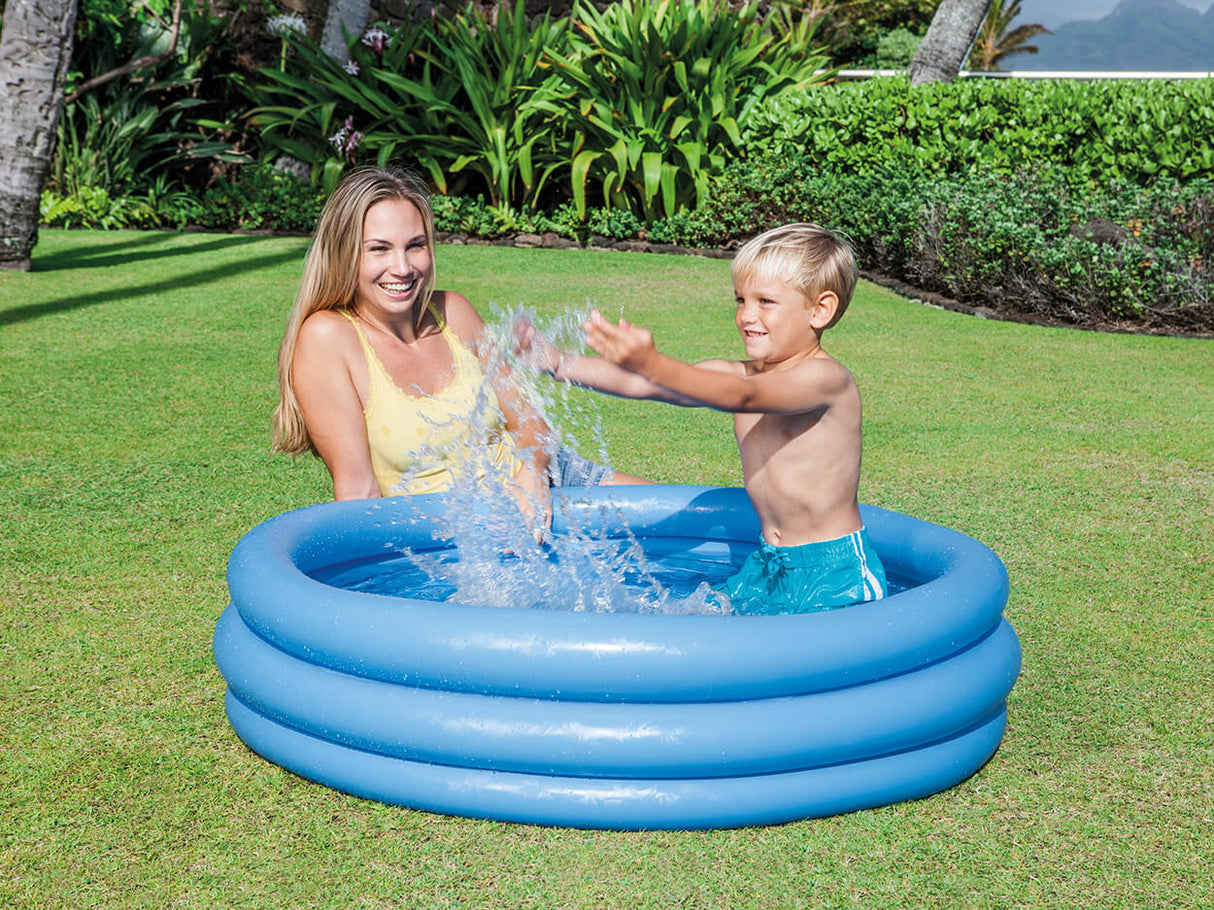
x: 1098, y: 131
x: 896, y: 49
x: 445, y: 93
x: 259, y: 197
x: 92, y: 207
x: 657, y: 94
x: 124, y: 135
x: 1035, y: 241
x: 250, y: 198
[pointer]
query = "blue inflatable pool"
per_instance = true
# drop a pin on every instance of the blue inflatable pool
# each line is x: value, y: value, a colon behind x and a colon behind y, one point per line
x: 613, y: 720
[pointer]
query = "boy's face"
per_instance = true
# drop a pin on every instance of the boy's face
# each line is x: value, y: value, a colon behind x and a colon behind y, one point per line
x: 775, y: 320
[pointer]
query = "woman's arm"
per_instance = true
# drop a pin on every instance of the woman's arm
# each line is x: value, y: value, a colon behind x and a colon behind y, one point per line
x: 332, y: 409
x: 523, y: 422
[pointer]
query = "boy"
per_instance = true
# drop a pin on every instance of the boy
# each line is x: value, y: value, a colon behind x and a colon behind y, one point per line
x: 796, y: 417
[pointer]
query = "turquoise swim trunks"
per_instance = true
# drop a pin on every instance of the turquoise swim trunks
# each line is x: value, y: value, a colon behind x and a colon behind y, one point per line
x: 807, y: 579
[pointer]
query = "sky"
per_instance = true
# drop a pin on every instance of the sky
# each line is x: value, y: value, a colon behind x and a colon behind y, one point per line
x: 1052, y: 13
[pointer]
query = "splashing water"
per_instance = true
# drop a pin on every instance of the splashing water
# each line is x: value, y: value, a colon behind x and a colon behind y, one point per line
x: 485, y: 550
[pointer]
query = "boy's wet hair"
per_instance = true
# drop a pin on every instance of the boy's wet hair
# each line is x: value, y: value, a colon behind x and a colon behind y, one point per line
x: 807, y: 256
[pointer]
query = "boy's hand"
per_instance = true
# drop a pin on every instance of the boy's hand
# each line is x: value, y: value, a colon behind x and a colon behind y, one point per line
x: 534, y: 348
x: 625, y: 344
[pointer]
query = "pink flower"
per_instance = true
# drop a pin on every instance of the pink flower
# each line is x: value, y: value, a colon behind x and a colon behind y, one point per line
x: 376, y: 39
x: 346, y: 139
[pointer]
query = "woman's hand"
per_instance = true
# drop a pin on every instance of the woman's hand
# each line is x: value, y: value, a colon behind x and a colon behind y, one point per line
x: 535, y: 350
x: 534, y: 500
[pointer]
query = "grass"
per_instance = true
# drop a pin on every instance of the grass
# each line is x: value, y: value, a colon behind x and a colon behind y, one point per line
x: 136, y: 384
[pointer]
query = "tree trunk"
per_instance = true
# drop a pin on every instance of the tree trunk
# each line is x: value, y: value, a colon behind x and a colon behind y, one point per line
x: 947, y: 41
x: 35, y: 48
x: 348, y: 14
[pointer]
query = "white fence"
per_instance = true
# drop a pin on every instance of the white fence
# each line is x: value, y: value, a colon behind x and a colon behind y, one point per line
x: 1078, y: 75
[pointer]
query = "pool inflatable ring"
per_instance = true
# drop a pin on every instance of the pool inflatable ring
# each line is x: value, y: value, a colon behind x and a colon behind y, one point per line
x: 613, y: 720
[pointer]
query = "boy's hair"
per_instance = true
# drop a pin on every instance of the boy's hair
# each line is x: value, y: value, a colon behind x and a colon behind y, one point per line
x: 331, y: 275
x: 806, y: 256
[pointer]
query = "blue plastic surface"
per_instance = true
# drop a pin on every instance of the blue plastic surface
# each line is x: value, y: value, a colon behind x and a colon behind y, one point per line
x: 616, y: 720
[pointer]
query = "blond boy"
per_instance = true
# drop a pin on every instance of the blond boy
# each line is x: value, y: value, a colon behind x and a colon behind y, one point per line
x: 796, y: 417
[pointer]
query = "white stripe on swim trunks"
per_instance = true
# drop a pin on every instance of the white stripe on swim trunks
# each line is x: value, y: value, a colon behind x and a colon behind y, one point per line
x: 872, y: 588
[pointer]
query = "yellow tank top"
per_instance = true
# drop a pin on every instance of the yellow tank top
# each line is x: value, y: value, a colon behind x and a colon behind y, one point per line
x: 420, y: 443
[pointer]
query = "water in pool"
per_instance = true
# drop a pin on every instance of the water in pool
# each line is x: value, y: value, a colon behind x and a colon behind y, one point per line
x: 577, y: 573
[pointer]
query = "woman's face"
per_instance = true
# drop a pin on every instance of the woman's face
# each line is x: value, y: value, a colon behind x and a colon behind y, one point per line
x: 395, y: 259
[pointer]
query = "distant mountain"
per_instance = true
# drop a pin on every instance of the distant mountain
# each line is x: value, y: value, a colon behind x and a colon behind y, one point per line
x: 1149, y: 35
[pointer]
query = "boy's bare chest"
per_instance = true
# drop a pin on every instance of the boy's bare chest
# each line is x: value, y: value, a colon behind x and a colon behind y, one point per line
x: 762, y: 437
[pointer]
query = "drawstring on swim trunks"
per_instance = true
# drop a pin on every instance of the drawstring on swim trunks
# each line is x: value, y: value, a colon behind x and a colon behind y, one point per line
x: 776, y: 562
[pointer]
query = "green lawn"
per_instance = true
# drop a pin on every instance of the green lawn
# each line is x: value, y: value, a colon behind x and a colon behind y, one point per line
x: 136, y: 385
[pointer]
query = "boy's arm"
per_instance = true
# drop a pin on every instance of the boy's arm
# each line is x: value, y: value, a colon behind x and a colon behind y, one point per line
x: 808, y: 385
x: 591, y: 372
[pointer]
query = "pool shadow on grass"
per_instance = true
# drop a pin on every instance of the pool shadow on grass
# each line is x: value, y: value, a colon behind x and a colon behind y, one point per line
x: 180, y: 280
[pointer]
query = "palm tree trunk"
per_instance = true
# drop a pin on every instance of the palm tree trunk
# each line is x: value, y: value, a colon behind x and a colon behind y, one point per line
x: 947, y: 41
x: 35, y: 48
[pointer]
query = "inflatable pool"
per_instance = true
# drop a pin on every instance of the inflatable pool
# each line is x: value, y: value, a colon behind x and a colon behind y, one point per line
x: 614, y: 720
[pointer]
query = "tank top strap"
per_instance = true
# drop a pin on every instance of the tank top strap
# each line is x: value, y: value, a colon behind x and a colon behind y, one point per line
x: 362, y: 336
x: 461, y: 354
x: 377, y: 374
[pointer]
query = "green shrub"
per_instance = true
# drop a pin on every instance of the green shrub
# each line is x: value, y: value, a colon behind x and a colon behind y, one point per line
x: 896, y: 49
x: 92, y: 207
x: 259, y: 197
x: 1138, y: 132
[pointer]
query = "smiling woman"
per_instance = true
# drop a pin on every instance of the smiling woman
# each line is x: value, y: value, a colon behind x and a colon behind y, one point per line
x: 388, y: 380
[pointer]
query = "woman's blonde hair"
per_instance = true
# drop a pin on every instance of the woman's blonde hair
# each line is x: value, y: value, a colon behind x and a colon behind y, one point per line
x: 331, y: 275
x: 806, y: 256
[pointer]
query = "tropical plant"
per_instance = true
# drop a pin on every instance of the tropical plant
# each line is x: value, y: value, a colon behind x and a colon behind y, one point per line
x: 377, y: 104
x: 998, y: 39
x: 114, y: 141
x: 124, y: 135
x: 447, y: 94
x: 510, y: 144
x: 656, y: 94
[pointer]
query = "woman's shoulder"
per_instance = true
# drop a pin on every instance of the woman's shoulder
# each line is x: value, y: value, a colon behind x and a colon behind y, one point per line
x: 327, y: 324
x: 458, y: 313
x: 327, y: 330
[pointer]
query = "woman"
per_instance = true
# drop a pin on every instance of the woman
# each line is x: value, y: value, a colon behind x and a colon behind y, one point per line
x: 387, y: 379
